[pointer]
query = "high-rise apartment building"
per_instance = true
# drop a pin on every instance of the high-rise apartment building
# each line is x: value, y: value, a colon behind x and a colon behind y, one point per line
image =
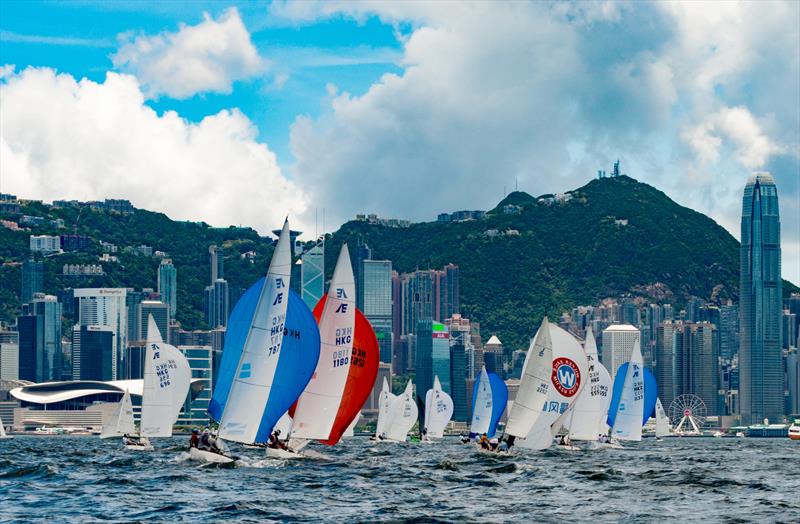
x: 168, y: 285
x: 761, y: 391
x: 39, y: 326
x: 9, y: 355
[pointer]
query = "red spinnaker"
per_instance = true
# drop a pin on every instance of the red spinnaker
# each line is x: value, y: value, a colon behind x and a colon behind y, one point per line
x: 360, y: 378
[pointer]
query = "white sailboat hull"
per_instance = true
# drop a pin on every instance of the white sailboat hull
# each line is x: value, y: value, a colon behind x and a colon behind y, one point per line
x: 209, y: 456
x: 134, y: 447
x: 285, y: 454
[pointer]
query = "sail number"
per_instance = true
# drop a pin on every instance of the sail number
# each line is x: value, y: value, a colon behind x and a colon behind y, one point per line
x: 340, y: 358
x: 162, y: 372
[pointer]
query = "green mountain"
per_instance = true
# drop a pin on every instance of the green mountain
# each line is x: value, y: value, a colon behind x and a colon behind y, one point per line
x: 610, y: 237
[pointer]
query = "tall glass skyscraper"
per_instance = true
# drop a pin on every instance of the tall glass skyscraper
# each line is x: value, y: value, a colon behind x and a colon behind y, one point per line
x: 312, y: 274
x: 760, y: 358
x: 432, y: 356
x: 168, y: 286
x: 377, y: 302
x: 32, y: 279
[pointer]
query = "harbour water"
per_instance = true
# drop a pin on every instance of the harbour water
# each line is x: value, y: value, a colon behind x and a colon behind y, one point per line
x: 84, y: 479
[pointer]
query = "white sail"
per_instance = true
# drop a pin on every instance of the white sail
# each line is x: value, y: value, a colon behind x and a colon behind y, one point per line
x: 402, y: 415
x: 662, y: 422
x: 167, y: 377
x: 567, y: 375
x: 628, y: 421
x: 438, y: 410
x: 534, y: 384
x: 384, y: 405
x: 587, y: 420
x: 120, y: 421
x: 482, y: 410
x: 252, y: 383
x: 318, y: 405
x: 2, y: 429
x: 284, y: 424
x: 351, y: 429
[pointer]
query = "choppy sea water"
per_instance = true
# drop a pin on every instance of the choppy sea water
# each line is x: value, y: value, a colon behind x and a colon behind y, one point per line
x: 84, y: 479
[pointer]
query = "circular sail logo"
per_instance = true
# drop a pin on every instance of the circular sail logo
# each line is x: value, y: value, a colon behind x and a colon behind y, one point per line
x: 566, y: 376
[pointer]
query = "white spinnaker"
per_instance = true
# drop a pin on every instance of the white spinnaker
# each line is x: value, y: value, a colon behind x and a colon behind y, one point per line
x: 120, y: 421
x: 402, y: 415
x: 438, y: 410
x: 2, y: 429
x: 167, y: 377
x: 591, y: 408
x: 567, y: 376
x: 384, y: 405
x: 534, y: 385
x: 255, y: 373
x: 662, y: 422
x: 482, y: 410
x: 318, y: 405
x: 351, y: 429
x: 628, y: 421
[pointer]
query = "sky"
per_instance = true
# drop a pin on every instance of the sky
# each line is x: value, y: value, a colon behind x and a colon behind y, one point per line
x: 243, y: 113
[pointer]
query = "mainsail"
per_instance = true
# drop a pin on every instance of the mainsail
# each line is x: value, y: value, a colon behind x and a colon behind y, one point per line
x: 347, y: 366
x: 384, y: 405
x: 489, y: 398
x: 588, y: 417
x: 438, y: 410
x: 628, y: 419
x: 351, y: 429
x: 534, y: 384
x: 402, y: 415
x: 568, y: 373
x: 662, y: 422
x: 167, y: 377
x: 120, y: 421
x: 255, y: 372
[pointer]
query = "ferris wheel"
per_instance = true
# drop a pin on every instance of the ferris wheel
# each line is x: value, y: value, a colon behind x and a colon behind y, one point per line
x: 688, y: 415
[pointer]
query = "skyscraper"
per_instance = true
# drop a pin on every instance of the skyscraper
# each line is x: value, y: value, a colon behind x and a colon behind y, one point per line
x: 418, y: 299
x: 377, y: 303
x: 312, y: 274
x: 361, y: 253
x: 160, y: 312
x: 106, y: 307
x: 216, y: 296
x: 432, y: 356
x: 217, y: 262
x: 168, y: 286
x: 760, y: 358
x: 32, y: 279
x: 92, y: 352
x: 458, y: 381
x: 40, y: 357
x: 618, y: 342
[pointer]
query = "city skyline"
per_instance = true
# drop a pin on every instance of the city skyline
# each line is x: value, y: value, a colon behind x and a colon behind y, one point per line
x: 298, y: 81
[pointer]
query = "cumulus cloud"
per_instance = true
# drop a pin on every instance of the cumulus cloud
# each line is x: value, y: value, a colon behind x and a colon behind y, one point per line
x: 687, y: 94
x: 62, y: 138
x: 209, y: 56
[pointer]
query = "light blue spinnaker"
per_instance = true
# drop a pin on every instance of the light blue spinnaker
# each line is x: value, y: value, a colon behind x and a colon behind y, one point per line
x: 499, y: 400
x: 650, y: 394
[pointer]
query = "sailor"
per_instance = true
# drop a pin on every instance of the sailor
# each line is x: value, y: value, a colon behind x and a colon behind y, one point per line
x: 484, y: 441
x: 464, y: 438
x: 275, y: 441
x: 503, y: 447
x: 493, y: 443
x: 205, y: 440
x: 195, y: 438
x: 424, y: 435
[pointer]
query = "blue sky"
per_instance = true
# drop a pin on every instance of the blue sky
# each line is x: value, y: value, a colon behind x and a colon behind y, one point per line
x: 244, y: 112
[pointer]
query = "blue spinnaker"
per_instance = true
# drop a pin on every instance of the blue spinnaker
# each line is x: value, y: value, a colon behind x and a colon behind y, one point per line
x: 650, y: 394
x: 235, y: 336
x: 296, y: 363
x: 499, y: 400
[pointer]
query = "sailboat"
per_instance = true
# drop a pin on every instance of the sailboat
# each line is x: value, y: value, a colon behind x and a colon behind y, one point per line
x: 568, y: 373
x: 351, y: 429
x: 587, y: 419
x: 627, y: 422
x: 119, y: 422
x: 167, y: 377
x: 438, y: 411
x: 384, y: 405
x: 534, y: 386
x: 663, y: 427
x: 3, y: 434
x: 402, y: 416
x: 489, y: 398
x: 271, y: 350
x: 346, y: 371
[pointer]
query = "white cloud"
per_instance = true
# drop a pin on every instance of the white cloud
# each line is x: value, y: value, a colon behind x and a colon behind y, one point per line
x: 689, y: 95
x: 207, y: 57
x: 63, y: 138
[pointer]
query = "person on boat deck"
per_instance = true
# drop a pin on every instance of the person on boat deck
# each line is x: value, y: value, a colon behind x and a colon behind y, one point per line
x: 195, y: 438
x: 464, y: 438
x: 493, y: 443
x: 382, y: 436
x: 503, y: 446
x: 275, y: 441
x: 484, y: 441
x: 205, y: 440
